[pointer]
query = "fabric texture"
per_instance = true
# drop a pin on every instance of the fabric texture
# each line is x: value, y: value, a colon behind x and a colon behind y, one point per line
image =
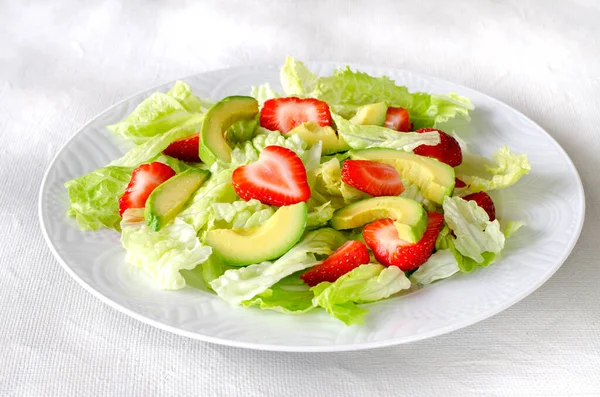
x: 61, y: 63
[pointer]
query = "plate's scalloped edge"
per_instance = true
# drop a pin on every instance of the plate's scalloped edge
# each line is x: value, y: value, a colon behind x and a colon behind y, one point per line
x: 318, y: 348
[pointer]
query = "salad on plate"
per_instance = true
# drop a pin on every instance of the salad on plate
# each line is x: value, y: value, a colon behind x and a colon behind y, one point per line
x: 338, y: 190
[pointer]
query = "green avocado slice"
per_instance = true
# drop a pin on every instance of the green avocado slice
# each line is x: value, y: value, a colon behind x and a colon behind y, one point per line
x: 217, y: 120
x: 241, y: 247
x: 410, y: 217
x: 169, y: 198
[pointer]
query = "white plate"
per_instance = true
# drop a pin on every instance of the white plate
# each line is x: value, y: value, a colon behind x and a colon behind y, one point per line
x: 550, y: 200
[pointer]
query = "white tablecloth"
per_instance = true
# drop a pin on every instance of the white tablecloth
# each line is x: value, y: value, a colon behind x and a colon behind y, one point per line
x: 63, y: 62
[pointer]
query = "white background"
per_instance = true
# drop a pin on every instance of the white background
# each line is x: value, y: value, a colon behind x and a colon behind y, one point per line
x: 61, y: 63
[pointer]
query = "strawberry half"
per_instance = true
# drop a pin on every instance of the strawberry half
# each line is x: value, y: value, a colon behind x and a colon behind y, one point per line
x: 447, y: 151
x: 277, y: 178
x: 371, y: 177
x: 389, y: 250
x: 398, y: 119
x: 484, y: 201
x: 185, y: 149
x: 283, y: 114
x: 144, y: 180
x: 345, y: 259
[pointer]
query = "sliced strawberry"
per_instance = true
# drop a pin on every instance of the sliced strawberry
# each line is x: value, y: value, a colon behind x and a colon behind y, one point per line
x: 458, y: 183
x: 345, y: 259
x: 484, y: 201
x: 144, y: 180
x: 382, y: 237
x: 185, y: 149
x: 277, y: 178
x: 283, y: 114
x: 371, y: 177
x: 447, y: 151
x: 398, y: 119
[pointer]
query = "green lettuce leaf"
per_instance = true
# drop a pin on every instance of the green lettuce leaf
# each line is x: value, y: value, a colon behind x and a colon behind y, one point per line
x: 296, y: 79
x: 366, y: 283
x: 442, y: 264
x: 199, y: 212
x: 446, y: 241
x: 372, y: 136
x: 264, y: 92
x: 158, y: 114
x: 320, y: 215
x: 154, y: 146
x: 475, y: 234
x: 238, y: 285
x: 95, y: 197
x: 288, y: 301
x: 481, y: 174
x: 346, y: 90
x: 161, y: 255
x: 241, y: 214
x: 182, y: 92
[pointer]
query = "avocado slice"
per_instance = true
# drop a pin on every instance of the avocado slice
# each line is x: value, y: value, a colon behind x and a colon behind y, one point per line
x: 217, y: 120
x: 373, y: 114
x: 410, y: 217
x: 312, y: 133
x: 167, y: 200
x: 434, y: 178
x: 241, y: 247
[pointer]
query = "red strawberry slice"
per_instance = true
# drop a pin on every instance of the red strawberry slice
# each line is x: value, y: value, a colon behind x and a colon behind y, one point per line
x: 382, y: 237
x: 484, y: 201
x: 398, y: 119
x: 277, y: 178
x: 346, y: 258
x: 447, y: 151
x: 458, y: 183
x: 144, y: 180
x: 371, y: 177
x: 185, y: 149
x: 283, y: 114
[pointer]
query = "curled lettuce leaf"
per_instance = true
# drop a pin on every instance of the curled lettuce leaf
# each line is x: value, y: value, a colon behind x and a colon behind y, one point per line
x: 320, y: 215
x: 481, y: 174
x: 241, y: 214
x: 262, y: 93
x: 283, y: 300
x: 242, y: 131
x: 238, y: 285
x: 296, y: 79
x: 161, y: 255
x: 155, y: 145
x: 366, y: 283
x: 95, y: 197
x: 199, y: 212
x: 182, y: 92
x: 346, y: 90
x: 373, y: 136
x: 442, y: 264
x: 158, y: 114
x: 475, y: 234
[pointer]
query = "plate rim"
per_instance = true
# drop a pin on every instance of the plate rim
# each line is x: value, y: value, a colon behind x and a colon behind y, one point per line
x: 313, y: 348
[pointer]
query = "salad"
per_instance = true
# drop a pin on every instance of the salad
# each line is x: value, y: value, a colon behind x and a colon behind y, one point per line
x: 336, y: 191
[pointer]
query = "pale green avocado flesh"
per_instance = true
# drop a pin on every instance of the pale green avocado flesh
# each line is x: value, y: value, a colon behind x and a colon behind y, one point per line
x: 217, y: 120
x: 311, y: 133
x: 241, y: 247
x: 373, y: 114
x: 434, y: 178
x: 410, y: 217
x: 169, y: 198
